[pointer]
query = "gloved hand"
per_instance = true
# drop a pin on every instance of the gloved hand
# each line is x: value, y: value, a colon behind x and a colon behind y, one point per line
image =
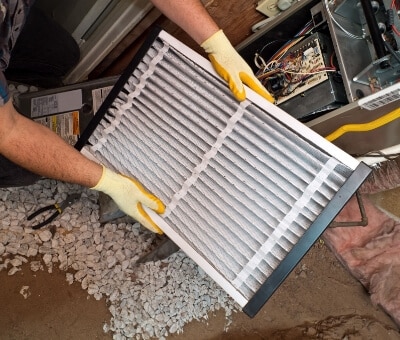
x: 130, y: 195
x: 231, y: 67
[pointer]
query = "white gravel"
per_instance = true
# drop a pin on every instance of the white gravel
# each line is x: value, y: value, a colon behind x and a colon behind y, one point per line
x: 146, y: 301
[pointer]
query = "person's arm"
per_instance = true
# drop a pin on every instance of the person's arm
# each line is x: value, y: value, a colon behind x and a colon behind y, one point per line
x: 191, y: 16
x: 194, y: 19
x: 38, y: 149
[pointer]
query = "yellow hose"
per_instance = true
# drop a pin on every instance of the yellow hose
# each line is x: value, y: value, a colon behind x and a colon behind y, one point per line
x: 389, y: 117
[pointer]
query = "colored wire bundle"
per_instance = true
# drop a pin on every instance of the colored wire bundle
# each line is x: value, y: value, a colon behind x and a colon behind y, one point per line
x: 284, y: 72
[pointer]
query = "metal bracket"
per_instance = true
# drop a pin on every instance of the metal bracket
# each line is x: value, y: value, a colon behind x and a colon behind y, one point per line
x: 364, y: 218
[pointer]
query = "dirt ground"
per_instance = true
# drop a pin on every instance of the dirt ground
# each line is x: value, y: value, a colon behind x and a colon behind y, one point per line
x: 319, y: 299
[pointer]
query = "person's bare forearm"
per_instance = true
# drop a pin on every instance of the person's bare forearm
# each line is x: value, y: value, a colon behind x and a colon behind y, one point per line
x: 38, y: 149
x: 190, y: 15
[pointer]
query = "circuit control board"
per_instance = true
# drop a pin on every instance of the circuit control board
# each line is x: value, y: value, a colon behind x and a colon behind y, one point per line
x: 304, y: 66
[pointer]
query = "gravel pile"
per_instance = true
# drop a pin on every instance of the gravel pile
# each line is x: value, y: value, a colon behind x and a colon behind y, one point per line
x: 150, y: 300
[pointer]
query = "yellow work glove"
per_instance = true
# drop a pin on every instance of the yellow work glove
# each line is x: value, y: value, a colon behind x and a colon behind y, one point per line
x: 130, y: 195
x: 231, y: 67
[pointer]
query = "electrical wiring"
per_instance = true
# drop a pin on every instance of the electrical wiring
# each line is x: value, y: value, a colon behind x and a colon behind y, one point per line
x: 289, y: 71
x: 268, y: 44
x: 322, y: 70
x: 286, y: 71
x: 392, y: 51
x: 394, y: 28
x: 292, y: 85
x: 379, y: 154
x: 274, y: 68
x: 351, y: 35
x: 331, y: 60
x: 303, y: 33
x: 282, y: 51
x: 260, y: 62
x: 289, y: 84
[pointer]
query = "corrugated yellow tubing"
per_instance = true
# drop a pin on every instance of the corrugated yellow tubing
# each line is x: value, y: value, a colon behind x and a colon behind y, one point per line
x: 389, y: 117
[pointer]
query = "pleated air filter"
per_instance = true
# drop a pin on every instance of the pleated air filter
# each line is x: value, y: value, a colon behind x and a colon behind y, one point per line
x: 248, y: 189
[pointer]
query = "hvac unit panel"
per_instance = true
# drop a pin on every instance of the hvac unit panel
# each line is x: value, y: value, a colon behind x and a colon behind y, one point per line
x: 248, y: 189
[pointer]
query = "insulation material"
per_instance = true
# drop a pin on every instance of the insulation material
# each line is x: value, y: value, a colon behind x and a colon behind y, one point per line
x: 248, y: 189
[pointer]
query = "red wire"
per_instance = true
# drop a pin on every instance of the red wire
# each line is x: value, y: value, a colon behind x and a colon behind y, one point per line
x: 394, y: 28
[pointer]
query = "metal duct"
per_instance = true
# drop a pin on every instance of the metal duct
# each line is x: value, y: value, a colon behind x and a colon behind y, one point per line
x: 248, y: 189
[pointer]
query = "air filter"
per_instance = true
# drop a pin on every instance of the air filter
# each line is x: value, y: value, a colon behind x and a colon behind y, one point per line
x: 248, y: 188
